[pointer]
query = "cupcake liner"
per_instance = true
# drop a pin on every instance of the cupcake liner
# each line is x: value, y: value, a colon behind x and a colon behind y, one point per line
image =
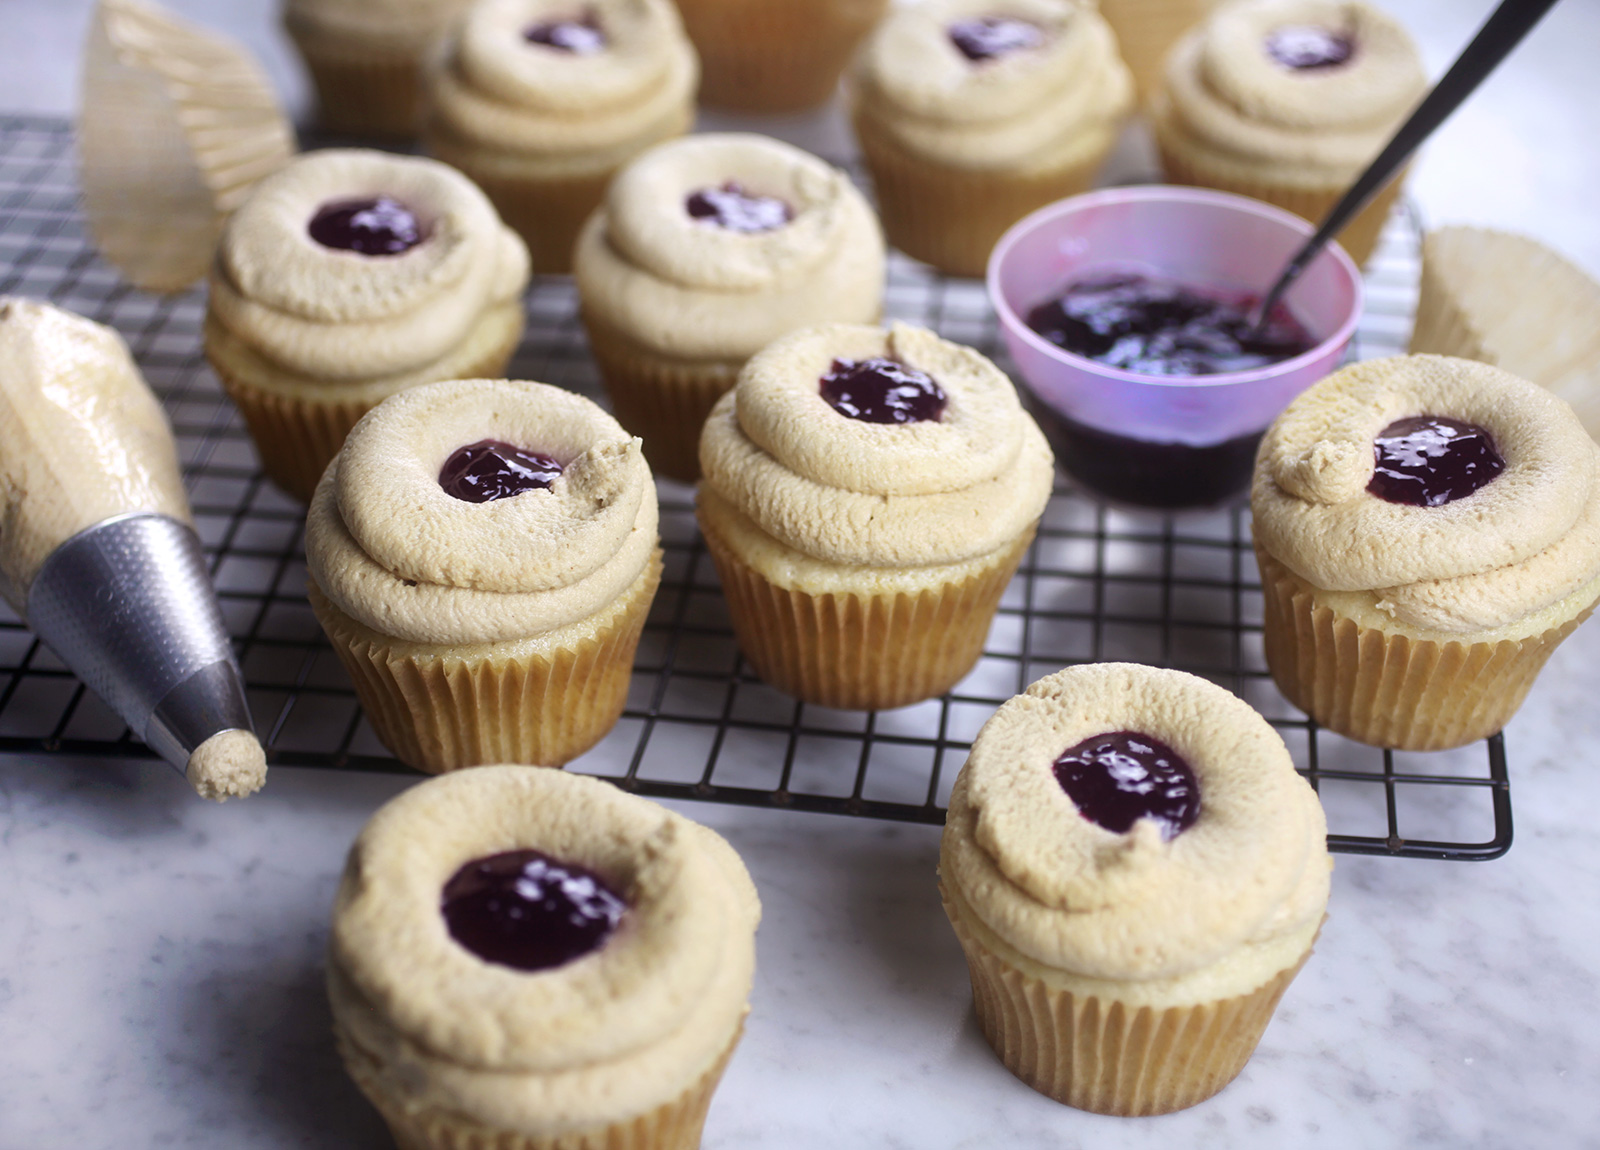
x: 1359, y: 237
x: 675, y: 1125
x: 662, y: 400
x: 952, y: 217
x: 1146, y: 30
x: 1441, y: 326
x: 861, y: 652
x: 362, y: 95
x: 1387, y: 689
x: 439, y: 707
x: 1100, y: 1055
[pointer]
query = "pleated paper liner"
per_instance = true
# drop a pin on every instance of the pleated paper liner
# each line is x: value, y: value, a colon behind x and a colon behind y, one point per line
x: 861, y: 652
x: 1507, y: 300
x: 440, y: 707
x: 952, y: 217
x: 675, y: 1125
x: 297, y: 436
x: 1105, y: 1057
x: 1384, y: 688
x: 1359, y: 237
x: 176, y: 125
x: 664, y: 401
x: 1147, y: 29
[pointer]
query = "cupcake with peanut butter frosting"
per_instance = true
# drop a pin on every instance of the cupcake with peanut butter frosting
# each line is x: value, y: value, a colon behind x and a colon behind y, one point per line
x: 1288, y: 101
x: 345, y: 278
x: 973, y: 113
x: 1428, y: 531
x: 482, y: 555
x: 541, y: 101
x: 867, y: 496
x: 1136, y: 873
x: 706, y: 250
x: 531, y: 960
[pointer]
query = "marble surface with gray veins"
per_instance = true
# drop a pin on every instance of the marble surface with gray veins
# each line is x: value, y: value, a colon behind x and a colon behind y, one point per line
x: 160, y: 957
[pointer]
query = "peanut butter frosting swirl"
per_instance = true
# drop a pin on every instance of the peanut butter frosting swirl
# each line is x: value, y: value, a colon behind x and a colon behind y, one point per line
x: 615, y: 1032
x: 1226, y: 93
x: 497, y: 91
x: 690, y: 289
x: 846, y: 491
x: 342, y: 316
x: 1528, y: 538
x: 1042, y: 106
x: 392, y: 549
x: 1076, y: 898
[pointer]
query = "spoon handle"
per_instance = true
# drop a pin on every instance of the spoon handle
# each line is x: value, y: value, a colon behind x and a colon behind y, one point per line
x: 1502, y: 32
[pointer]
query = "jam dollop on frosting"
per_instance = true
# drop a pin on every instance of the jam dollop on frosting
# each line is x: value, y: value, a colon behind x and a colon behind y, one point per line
x: 1161, y: 327
x: 986, y: 37
x: 1309, y: 47
x: 880, y: 390
x: 1116, y: 779
x: 1429, y: 460
x: 491, y: 469
x: 737, y: 210
x: 373, y: 227
x: 528, y: 911
x: 581, y: 36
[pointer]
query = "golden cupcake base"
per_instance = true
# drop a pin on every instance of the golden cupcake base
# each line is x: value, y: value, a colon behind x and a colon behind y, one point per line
x: 439, y: 707
x: 356, y: 96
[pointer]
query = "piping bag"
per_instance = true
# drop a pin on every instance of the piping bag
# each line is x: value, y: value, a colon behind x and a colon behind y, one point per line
x: 98, y: 551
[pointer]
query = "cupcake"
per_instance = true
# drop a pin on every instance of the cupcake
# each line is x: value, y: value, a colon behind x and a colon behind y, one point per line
x: 175, y: 126
x: 1288, y: 101
x: 482, y: 555
x: 1136, y: 874
x: 705, y: 251
x: 973, y: 113
x: 540, y: 106
x: 366, y: 59
x: 530, y: 960
x: 1428, y: 530
x: 1146, y: 31
x: 347, y: 277
x: 867, y: 496
x: 1510, y: 301
x: 775, y: 55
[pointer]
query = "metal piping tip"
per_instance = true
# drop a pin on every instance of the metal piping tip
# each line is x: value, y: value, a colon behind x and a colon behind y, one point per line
x: 129, y: 606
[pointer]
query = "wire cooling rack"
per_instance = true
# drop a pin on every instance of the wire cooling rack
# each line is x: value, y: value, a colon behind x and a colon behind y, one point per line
x: 1098, y: 584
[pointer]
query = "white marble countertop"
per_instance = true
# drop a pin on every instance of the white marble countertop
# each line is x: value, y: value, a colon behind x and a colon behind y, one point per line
x: 160, y: 957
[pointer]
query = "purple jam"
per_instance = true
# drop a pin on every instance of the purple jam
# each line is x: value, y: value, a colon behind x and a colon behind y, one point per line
x: 1308, y: 47
x: 1119, y: 778
x: 1429, y: 460
x: 1161, y: 327
x: 375, y: 227
x: 579, y: 37
x: 879, y: 390
x: 986, y: 37
x: 489, y: 469
x: 528, y: 911
x: 735, y: 209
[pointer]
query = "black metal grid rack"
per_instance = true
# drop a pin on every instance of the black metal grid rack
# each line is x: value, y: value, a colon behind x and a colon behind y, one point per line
x: 1098, y: 584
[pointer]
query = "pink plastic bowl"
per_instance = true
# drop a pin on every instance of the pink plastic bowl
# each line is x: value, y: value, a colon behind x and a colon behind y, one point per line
x: 1165, y: 441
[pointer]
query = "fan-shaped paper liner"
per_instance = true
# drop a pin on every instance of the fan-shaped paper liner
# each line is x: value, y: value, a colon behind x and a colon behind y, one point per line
x: 176, y: 125
x: 1507, y: 300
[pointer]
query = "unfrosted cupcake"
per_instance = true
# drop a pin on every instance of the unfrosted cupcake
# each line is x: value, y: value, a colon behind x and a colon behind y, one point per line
x: 365, y: 58
x: 1508, y: 300
x: 775, y: 55
x: 1136, y: 874
x: 541, y: 101
x: 347, y: 277
x: 530, y: 960
x: 482, y: 555
x: 867, y: 496
x: 973, y: 113
x: 706, y: 250
x: 1146, y: 31
x: 1428, y: 530
x: 1288, y: 101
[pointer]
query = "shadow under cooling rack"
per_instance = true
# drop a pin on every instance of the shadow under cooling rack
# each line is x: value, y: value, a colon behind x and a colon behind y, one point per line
x: 1098, y: 584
